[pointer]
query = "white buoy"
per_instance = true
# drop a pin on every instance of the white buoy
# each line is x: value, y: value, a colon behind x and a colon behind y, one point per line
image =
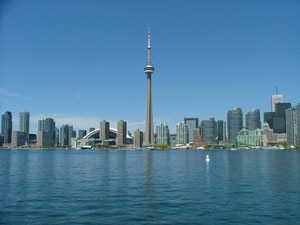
x: 207, y: 158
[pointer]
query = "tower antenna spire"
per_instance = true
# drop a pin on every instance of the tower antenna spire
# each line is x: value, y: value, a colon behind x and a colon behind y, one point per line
x: 277, y: 89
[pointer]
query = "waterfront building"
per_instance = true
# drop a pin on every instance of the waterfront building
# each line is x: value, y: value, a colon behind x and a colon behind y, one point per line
x: 104, y: 130
x: 253, y: 119
x: 163, y: 134
x: 19, y: 138
x: 251, y: 138
x: 209, y: 131
x: 45, y: 138
x: 197, y: 135
x: 138, y: 138
x: 149, y: 69
x: 221, y: 131
x: 234, y: 124
x: 1, y: 140
x: 276, y: 98
x: 182, y: 134
x: 24, y: 121
x: 91, y: 129
x: 6, y: 127
x: 268, y: 118
x: 66, y: 133
x: 47, y: 124
x: 173, y: 140
x: 122, y: 132
x: 56, y: 136
x: 273, y: 138
x: 81, y: 133
x: 293, y: 125
x: 279, y: 120
x: 192, y: 122
x: 74, y: 134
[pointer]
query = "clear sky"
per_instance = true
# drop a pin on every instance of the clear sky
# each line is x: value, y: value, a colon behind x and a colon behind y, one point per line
x: 82, y: 61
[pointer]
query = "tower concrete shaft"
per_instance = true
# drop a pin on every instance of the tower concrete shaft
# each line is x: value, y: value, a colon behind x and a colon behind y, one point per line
x: 149, y: 69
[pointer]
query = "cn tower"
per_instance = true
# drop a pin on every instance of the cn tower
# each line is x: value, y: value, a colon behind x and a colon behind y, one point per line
x: 149, y: 69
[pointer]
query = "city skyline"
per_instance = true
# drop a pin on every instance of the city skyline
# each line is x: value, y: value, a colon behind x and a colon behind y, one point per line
x: 206, y: 52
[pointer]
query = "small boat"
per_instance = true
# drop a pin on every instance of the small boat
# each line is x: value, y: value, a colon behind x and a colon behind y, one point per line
x: 207, y: 158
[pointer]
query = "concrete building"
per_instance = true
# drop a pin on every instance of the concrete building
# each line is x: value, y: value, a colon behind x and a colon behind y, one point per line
x: 149, y: 69
x: 163, y: 134
x: 192, y: 122
x: 45, y: 138
x: 251, y: 138
x: 66, y: 133
x: 6, y: 127
x: 182, y: 134
x: 273, y: 138
x: 234, y: 124
x: 122, y: 132
x: 221, y: 132
x: 138, y: 138
x: 47, y: 124
x: 24, y: 121
x: 197, y: 135
x: 19, y: 138
x: 209, y: 131
x: 81, y: 133
x: 293, y: 126
x: 104, y: 130
x: 253, y: 119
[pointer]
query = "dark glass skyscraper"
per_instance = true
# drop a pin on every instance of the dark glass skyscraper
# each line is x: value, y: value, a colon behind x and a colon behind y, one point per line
x: 209, y: 131
x: 253, y: 119
x: 221, y: 127
x: 192, y: 122
x: 234, y: 124
x: 6, y: 127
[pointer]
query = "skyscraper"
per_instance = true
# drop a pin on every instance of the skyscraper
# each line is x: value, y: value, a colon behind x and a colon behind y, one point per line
x: 24, y: 121
x: 6, y: 127
x: 163, y: 134
x: 209, y: 131
x: 253, y: 119
x: 138, y: 138
x: 122, y: 132
x: 182, y: 134
x: 149, y: 69
x: 277, y: 98
x: 197, y: 135
x: 81, y: 133
x: 104, y: 130
x: 221, y: 129
x: 48, y: 125
x: 66, y: 132
x: 192, y: 122
x: 293, y: 125
x: 234, y: 124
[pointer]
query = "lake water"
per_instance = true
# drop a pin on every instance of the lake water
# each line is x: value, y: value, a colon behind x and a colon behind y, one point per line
x: 149, y: 187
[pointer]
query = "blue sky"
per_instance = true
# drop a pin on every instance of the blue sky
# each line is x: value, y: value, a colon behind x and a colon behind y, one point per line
x: 82, y: 61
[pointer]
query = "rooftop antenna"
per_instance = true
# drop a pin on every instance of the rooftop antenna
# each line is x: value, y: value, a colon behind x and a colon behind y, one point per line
x: 276, y: 89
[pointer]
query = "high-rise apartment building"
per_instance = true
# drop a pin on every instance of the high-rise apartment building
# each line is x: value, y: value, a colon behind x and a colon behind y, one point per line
x: 81, y: 133
x: 48, y: 125
x: 253, y: 119
x: 121, y: 133
x: 6, y: 127
x: 221, y: 131
x: 234, y: 124
x: 182, y: 134
x: 66, y: 133
x: 104, y: 130
x: 209, y: 131
x: 293, y: 125
x: 197, y: 135
x: 138, y: 138
x: 19, y: 138
x: 163, y: 134
x: 24, y: 121
x: 192, y: 122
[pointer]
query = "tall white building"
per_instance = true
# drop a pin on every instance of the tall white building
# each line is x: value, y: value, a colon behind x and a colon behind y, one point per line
x: 24, y: 121
x: 277, y: 98
x: 163, y: 134
x: 182, y: 134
